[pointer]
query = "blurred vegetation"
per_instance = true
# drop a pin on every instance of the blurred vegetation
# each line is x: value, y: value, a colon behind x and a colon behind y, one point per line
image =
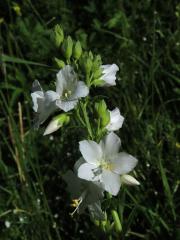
x: 143, y: 38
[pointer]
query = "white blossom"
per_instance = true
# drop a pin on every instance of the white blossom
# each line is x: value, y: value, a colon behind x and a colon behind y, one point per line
x: 69, y: 89
x: 43, y: 103
x: 109, y: 74
x: 116, y: 120
x: 85, y: 194
x: 102, y: 162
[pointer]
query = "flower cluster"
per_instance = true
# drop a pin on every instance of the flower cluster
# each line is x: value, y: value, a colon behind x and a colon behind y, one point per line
x: 101, y: 167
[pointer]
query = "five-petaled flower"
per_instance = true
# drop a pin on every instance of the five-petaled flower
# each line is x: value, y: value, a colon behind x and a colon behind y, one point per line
x: 104, y: 163
x: 69, y: 89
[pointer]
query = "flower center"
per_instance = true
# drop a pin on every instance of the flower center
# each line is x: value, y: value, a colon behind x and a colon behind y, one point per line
x: 106, y: 165
x: 66, y: 94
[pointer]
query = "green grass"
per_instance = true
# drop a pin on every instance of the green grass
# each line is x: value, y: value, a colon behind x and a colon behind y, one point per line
x: 143, y: 39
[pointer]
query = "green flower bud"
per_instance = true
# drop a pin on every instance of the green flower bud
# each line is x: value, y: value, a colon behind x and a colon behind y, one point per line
x: 77, y: 51
x: 117, y: 222
x: 67, y: 47
x: 59, y: 62
x: 97, y: 63
x: 88, y: 65
x: 59, y: 35
x: 97, y: 73
x: 98, y: 82
x: 103, y: 113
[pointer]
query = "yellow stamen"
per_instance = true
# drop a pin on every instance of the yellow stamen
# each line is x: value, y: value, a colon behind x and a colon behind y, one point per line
x: 75, y: 203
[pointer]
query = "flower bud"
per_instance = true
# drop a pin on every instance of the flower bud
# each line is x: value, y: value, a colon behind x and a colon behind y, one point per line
x: 56, y: 123
x: 103, y: 112
x: 59, y: 35
x: 77, y: 50
x: 67, y: 47
x: 117, y: 222
x: 129, y: 180
x: 59, y: 62
x: 88, y: 65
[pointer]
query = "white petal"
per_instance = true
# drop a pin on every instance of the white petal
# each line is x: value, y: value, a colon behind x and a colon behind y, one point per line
x: 112, y: 144
x: 85, y: 172
x: 111, y: 182
x: 123, y: 163
x: 116, y: 120
x: 78, y: 163
x: 129, y: 180
x: 81, y: 90
x: 91, y: 151
x: 109, y: 74
x: 50, y: 96
x: 36, y: 87
x: 108, y: 68
x: 66, y: 105
x: 37, y: 98
x: 66, y: 80
x: 53, y: 126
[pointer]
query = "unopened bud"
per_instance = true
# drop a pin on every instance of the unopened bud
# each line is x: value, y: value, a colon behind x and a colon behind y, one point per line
x: 67, y: 47
x: 103, y: 112
x: 59, y: 35
x: 56, y: 123
x: 77, y: 50
x: 59, y: 62
x: 129, y: 180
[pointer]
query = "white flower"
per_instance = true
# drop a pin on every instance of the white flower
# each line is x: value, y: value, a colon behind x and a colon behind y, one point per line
x: 129, y: 180
x: 109, y: 74
x: 69, y: 89
x: 85, y: 194
x: 43, y: 103
x: 116, y: 120
x: 104, y: 163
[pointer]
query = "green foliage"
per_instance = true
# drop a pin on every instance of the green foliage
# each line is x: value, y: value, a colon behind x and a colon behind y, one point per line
x: 143, y: 39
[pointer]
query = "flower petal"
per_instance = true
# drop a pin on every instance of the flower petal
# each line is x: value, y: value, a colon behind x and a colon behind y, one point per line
x: 66, y: 105
x: 111, y: 182
x: 66, y: 80
x: 81, y: 90
x: 36, y: 87
x: 123, y: 163
x: 91, y: 151
x: 50, y: 96
x: 109, y: 74
x: 38, y: 100
x: 96, y: 211
x: 85, y: 171
x: 116, y: 120
x: 112, y: 144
